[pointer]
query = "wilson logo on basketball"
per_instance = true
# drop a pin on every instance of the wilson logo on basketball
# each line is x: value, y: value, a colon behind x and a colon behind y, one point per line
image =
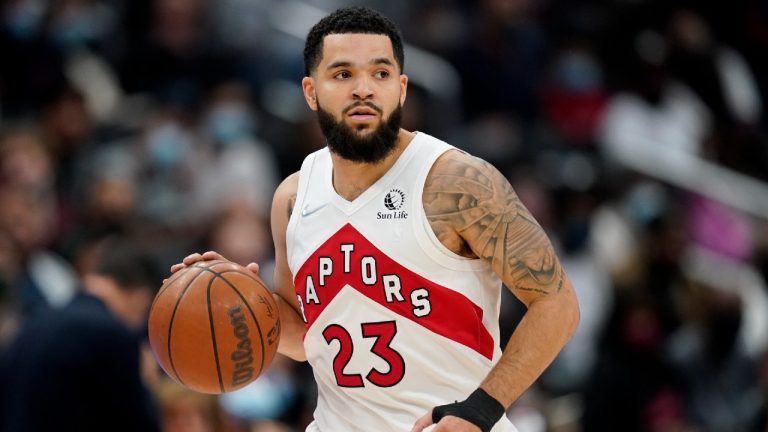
x: 243, y: 355
x: 394, y: 200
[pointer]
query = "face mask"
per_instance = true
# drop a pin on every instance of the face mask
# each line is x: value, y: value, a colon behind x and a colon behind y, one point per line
x: 578, y: 72
x: 168, y: 145
x: 228, y: 123
x: 645, y: 202
x: 75, y: 29
x: 23, y: 20
x: 266, y: 398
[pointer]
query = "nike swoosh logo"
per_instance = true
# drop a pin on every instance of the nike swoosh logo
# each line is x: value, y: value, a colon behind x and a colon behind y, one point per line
x: 306, y: 211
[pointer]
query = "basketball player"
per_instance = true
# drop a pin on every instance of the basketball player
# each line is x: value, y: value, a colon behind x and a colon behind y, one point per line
x: 391, y: 248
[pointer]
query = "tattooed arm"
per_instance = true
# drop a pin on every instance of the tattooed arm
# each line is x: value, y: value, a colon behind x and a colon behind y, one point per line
x: 292, y: 326
x: 475, y: 212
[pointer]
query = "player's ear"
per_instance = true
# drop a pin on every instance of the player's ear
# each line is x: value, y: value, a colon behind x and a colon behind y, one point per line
x: 403, y: 88
x: 308, y: 86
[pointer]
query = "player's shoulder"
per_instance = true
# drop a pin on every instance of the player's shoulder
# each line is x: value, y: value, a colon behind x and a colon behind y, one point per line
x: 289, y: 185
x: 285, y: 194
x: 458, y: 164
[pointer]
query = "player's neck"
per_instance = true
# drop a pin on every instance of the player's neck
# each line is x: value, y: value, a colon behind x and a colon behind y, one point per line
x: 351, y: 179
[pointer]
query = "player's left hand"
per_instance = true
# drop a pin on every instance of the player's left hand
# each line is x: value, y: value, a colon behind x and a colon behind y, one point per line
x: 446, y: 424
x: 207, y: 256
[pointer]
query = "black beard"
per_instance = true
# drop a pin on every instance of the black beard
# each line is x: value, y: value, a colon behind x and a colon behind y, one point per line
x: 373, y: 148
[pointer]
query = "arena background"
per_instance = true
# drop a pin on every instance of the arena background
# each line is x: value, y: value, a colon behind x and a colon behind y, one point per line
x: 634, y: 130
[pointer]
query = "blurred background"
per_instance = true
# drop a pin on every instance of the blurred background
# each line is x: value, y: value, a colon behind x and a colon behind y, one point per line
x: 634, y: 130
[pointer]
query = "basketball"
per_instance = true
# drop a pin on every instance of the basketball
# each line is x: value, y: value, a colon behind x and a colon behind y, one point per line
x: 214, y: 326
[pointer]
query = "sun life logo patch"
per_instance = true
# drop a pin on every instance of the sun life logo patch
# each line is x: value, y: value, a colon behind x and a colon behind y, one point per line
x: 394, y: 200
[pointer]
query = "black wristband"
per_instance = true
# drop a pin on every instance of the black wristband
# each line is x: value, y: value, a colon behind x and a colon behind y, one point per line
x: 480, y: 409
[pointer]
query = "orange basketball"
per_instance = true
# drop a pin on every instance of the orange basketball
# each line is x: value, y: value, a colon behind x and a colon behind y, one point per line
x: 214, y: 326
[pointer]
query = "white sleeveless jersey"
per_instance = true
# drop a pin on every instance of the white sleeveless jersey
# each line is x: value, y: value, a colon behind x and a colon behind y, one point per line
x: 396, y: 322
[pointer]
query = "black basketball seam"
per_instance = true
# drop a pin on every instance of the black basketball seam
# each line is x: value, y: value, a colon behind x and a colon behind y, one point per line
x: 173, y: 316
x: 213, y: 330
x: 248, y: 275
x: 253, y: 315
x: 175, y: 277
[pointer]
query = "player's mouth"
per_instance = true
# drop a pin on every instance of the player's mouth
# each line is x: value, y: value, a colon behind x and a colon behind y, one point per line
x: 362, y: 112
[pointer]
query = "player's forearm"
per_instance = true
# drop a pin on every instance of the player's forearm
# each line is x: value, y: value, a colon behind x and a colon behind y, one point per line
x: 544, y: 330
x: 292, y: 329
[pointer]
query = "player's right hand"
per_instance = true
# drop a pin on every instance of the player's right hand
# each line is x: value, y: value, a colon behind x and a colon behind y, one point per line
x: 207, y: 256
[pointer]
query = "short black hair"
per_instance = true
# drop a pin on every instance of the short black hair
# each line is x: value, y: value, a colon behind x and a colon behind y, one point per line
x: 127, y: 264
x: 355, y: 19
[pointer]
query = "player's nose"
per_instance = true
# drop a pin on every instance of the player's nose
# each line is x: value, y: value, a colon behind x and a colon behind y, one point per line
x: 363, y: 89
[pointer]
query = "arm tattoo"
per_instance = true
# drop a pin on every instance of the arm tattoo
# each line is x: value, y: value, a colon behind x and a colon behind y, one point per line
x: 478, y: 203
x: 291, y: 203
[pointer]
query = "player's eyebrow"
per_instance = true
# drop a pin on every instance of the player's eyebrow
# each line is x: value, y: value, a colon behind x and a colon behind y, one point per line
x: 338, y: 64
x: 345, y: 63
x: 382, y: 60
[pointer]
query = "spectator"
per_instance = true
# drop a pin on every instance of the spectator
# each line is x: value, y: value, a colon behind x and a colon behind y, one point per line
x: 78, y: 369
x: 28, y: 217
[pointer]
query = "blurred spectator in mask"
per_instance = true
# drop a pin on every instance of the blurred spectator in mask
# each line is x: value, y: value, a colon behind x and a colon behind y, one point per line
x: 170, y: 155
x: 574, y: 95
x: 28, y: 217
x: 240, y: 169
x: 74, y: 24
x: 78, y: 369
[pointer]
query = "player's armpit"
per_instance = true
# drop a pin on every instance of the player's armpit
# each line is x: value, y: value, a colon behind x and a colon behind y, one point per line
x: 293, y: 328
x: 467, y: 197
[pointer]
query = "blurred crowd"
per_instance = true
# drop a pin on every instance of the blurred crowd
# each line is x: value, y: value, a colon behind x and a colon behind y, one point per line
x: 634, y: 130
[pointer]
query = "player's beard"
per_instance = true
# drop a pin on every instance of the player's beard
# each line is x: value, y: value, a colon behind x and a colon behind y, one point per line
x: 371, y: 148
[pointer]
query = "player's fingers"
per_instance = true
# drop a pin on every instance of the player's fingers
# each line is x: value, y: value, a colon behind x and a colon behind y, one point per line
x: 192, y: 258
x: 212, y: 255
x: 253, y: 267
x: 423, y: 422
x: 177, y: 267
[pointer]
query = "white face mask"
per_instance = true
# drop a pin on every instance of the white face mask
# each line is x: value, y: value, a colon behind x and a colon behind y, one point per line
x: 76, y: 28
x: 228, y: 123
x: 168, y: 145
x: 23, y: 19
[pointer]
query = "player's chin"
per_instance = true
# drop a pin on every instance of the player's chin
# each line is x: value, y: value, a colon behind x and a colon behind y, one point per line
x: 363, y: 127
x: 363, y: 131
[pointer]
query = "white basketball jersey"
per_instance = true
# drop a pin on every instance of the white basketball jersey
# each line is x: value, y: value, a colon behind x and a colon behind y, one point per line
x: 396, y: 322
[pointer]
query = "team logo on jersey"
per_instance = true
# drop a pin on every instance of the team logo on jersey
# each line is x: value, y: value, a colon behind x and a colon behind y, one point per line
x: 394, y: 200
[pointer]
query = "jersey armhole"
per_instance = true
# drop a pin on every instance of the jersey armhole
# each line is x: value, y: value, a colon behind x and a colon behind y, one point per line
x: 301, y: 193
x: 425, y: 236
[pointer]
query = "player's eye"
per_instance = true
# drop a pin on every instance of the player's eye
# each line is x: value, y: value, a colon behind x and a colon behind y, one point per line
x: 342, y: 75
x: 382, y: 74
